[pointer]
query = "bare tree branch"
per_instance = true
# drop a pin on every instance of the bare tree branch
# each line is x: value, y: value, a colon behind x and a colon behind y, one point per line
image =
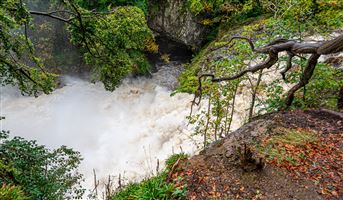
x: 51, y: 15
x: 331, y: 46
x: 293, y: 48
x: 304, y: 80
x: 288, y: 66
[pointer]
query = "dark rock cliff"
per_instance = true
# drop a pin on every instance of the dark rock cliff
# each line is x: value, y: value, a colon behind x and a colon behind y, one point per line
x: 173, y: 19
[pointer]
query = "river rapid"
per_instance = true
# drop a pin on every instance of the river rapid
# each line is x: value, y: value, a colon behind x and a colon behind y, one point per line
x: 121, y: 132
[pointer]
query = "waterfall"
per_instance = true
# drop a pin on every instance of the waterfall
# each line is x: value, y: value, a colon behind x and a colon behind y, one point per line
x: 125, y: 131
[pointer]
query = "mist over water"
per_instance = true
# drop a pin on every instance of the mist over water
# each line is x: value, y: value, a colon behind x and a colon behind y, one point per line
x: 125, y: 131
x: 121, y: 132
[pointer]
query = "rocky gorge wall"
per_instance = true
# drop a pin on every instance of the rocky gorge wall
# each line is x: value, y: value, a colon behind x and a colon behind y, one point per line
x: 173, y: 19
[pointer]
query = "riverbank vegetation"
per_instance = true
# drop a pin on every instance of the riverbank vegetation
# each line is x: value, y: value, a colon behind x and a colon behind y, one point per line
x: 156, y: 187
x: 31, y: 171
x: 291, y: 20
x: 113, y: 41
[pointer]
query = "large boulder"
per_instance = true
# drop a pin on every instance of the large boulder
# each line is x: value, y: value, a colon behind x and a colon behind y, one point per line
x: 173, y: 19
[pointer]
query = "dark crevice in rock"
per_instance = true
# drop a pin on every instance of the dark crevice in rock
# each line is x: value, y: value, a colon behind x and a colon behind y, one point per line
x: 175, y: 51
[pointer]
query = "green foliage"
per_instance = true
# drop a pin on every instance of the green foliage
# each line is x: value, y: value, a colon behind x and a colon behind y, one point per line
x: 155, y: 187
x: 223, y: 61
x: 287, y: 16
x: 174, y: 158
x: 128, y: 192
x: 219, y: 7
x: 41, y: 173
x: 294, y: 19
x: 274, y: 98
x: 322, y: 91
x: 215, y: 121
x: 10, y: 192
x: 115, y: 44
x: 7, y: 172
x: 225, y: 10
x: 274, y: 147
x: 18, y: 63
x: 188, y: 80
x: 305, y: 15
x: 330, y: 15
x: 103, y: 5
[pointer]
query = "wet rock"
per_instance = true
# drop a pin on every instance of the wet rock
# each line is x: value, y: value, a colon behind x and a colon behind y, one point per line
x: 173, y: 19
x: 167, y: 74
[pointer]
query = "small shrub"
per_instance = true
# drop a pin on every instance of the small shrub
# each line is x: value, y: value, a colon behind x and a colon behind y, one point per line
x: 11, y: 192
x: 40, y: 172
x: 155, y: 187
x: 173, y: 159
x: 152, y: 188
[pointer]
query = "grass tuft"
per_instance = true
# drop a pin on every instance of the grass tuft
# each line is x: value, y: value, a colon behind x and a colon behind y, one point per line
x: 287, y: 146
x: 155, y: 187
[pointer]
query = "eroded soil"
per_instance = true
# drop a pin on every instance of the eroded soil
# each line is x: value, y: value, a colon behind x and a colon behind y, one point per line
x: 219, y: 172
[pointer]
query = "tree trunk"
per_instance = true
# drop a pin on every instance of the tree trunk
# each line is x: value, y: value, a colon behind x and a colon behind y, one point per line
x: 253, y: 95
x: 340, y: 99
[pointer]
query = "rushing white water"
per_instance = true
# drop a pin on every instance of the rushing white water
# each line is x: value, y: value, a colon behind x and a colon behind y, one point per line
x: 121, y: 132
x: 124, y: 131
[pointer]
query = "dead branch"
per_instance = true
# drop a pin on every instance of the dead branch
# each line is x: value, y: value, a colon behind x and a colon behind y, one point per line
x: 157, y: 166
x: 253, y: 95
x: 96, y: 183
x: 52, y: 15
x: 331, y: 46
x: 119, y: 182
x: 173, y: 169
x: 288, y: 66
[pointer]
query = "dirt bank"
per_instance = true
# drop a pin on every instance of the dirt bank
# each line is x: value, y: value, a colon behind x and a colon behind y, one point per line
x: 288, y: 155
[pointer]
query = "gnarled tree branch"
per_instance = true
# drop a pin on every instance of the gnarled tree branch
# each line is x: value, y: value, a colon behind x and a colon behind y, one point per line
x: 292, y: 48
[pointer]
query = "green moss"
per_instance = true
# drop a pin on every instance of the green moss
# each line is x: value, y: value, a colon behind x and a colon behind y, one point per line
x: 277, y: 147
x: 293, y: 137
x: 11, y: 192
x: 204, y: 60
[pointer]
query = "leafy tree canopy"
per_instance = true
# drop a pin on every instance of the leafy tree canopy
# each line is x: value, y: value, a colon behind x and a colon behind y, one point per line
x: 306, y: 11
x: 41, y: 173
x: 290, y: 20
x: 117, y: 39
x: 103, y: 5
x: 113, y: 41
x: 18, y: 64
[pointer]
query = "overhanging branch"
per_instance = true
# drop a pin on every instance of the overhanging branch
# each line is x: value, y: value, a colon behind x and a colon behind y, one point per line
x: 51, y: 15
x: 293, y: 48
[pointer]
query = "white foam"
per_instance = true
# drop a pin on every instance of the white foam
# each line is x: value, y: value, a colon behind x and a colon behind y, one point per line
x: 123, y: 131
